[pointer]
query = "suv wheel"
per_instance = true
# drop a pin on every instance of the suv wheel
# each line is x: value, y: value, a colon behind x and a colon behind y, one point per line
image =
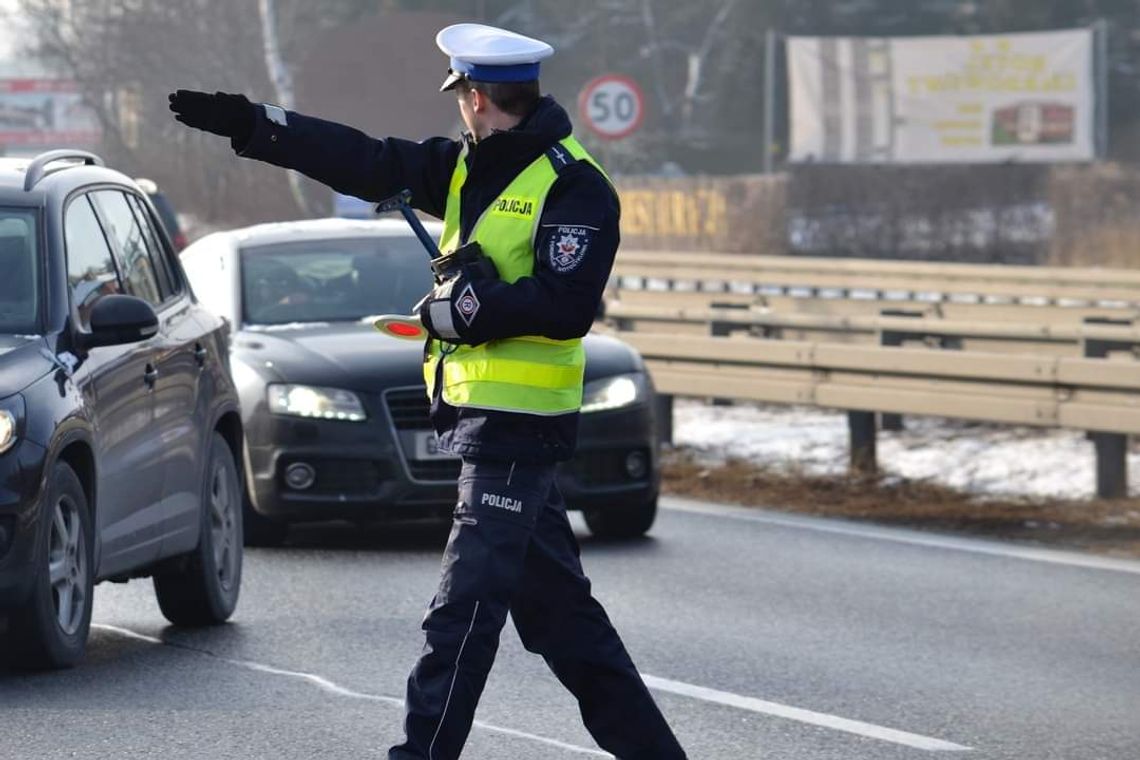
x: 622, y: 520
x: 203, y: 590
x: 50, y: 629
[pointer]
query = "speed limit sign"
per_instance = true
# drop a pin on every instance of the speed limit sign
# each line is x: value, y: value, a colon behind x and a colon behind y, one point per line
x: 612, y: 106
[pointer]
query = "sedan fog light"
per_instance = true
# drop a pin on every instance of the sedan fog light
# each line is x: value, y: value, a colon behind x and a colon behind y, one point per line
x: 636, y: 465
x: 300, y: 476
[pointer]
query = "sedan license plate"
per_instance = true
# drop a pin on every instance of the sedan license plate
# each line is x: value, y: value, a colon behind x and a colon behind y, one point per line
x: 427, y: 447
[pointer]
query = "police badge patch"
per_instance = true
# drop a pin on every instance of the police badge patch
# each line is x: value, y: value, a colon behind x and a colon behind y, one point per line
x: 568, y: 246
x: 467, y: 305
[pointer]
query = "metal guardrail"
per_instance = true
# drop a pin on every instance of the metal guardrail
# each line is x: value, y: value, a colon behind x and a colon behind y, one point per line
x: 888, y: 328
x: 1101, y: 396
x: 873, y: 279
x: 1053, y: 341
x: 853, y: 287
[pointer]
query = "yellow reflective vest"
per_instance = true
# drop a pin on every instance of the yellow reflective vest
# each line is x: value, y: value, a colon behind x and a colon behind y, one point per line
x: 531, y: 374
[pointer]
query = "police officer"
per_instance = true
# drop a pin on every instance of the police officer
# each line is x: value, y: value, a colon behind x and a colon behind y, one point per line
x: 537, y: 221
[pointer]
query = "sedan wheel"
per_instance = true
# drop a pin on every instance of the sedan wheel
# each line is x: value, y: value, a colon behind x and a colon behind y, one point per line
x: 202, y: 587
x: 50, y: 629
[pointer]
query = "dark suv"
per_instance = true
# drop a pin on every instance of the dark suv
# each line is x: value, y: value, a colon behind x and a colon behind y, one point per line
x: 119, y: 421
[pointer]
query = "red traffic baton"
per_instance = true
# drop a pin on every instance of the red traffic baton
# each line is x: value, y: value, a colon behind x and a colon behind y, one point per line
x: 401, y: 326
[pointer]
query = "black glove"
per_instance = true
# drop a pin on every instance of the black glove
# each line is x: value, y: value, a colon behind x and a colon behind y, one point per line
x: 448, y: 312
x: 468, y: 260
x: 221, y: 113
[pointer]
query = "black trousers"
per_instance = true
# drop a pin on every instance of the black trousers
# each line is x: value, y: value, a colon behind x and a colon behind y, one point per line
x: 511, y: 549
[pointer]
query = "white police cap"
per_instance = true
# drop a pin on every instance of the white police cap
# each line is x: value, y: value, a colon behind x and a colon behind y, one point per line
x: 487, y: 54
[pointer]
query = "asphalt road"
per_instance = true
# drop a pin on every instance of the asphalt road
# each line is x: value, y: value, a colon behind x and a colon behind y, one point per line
x: 763, y: 637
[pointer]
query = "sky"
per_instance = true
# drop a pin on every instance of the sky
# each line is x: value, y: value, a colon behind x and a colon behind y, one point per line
x: 11, y: 64
x: 7, y: 36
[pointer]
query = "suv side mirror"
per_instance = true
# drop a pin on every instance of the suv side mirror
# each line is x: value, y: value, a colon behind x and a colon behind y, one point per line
x: 117, y: 319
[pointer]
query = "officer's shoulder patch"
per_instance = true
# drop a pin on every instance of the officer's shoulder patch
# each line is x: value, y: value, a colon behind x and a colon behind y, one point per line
x: 568, y: 246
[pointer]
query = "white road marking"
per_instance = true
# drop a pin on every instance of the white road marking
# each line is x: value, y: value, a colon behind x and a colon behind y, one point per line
x: 834, y: 722
x: 904, y: 536
x: 333, y: 688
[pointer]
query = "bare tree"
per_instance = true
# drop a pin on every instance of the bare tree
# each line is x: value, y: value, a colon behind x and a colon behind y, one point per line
x: 127, y: 55
x: 700, y: 62
x: 282, y: 79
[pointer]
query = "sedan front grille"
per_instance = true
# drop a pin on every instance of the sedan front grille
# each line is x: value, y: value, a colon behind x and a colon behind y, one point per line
x: 409, y: 409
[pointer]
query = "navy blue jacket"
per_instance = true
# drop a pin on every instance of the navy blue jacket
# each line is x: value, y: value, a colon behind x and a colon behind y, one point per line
x: 574, y: 248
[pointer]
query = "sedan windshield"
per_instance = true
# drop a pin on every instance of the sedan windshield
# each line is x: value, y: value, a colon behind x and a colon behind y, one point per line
x: 332, y: 280
x: 19, y: 272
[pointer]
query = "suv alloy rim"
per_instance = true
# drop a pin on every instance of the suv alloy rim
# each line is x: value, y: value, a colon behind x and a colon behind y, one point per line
x: 67, y: 565
x: 223, y: 525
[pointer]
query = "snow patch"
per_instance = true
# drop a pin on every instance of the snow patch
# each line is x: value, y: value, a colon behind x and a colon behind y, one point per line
x: 981, y: 459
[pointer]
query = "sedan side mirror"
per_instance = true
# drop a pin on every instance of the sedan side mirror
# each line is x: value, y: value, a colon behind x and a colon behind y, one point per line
x: 117, y: 320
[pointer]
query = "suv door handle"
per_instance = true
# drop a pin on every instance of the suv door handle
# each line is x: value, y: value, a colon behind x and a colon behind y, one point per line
x: 150, y: 376
x: 200, y: 354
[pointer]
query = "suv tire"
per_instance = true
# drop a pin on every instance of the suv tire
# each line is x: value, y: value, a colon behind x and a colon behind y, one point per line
x: 50, y: 629
x: 202, y: 588
x: 620, y: 521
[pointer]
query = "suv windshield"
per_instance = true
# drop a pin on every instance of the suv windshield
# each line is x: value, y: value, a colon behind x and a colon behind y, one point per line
x: 19, y: 271
x: 332, y: 280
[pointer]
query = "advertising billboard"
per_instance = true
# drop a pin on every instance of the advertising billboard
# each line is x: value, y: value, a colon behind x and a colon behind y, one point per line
x: 45, y: 113
x: 995, y: 98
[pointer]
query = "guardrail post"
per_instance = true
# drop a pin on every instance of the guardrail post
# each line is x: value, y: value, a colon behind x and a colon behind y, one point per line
x: 890, y: 421
x: 861, y: 426
x: 663, y: 414
x: 723, y: 330
x: 1111, y: 465
x: 1111, y: 448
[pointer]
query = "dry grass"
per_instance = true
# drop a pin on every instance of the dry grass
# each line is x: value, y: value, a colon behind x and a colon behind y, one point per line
x: 1108, y: 527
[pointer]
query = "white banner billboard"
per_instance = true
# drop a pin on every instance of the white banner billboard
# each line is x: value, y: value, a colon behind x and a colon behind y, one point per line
x: 984, y: 99
x: 45, y: 113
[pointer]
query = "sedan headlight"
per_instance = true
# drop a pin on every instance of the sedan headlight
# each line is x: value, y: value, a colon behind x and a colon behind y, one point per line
x: 317, y: 403
x: 615, y: 392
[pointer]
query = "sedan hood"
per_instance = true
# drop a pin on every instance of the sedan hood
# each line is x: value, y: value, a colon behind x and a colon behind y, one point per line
x: 349, y: 355
x: 606, y: 355
x: 23, y: 360
x: 354, y: 356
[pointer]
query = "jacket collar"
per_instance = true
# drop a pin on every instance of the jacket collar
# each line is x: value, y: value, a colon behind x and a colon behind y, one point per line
x: 545, y: 125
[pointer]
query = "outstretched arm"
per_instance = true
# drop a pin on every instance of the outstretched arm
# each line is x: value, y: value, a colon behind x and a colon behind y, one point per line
x: 336, y: 155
